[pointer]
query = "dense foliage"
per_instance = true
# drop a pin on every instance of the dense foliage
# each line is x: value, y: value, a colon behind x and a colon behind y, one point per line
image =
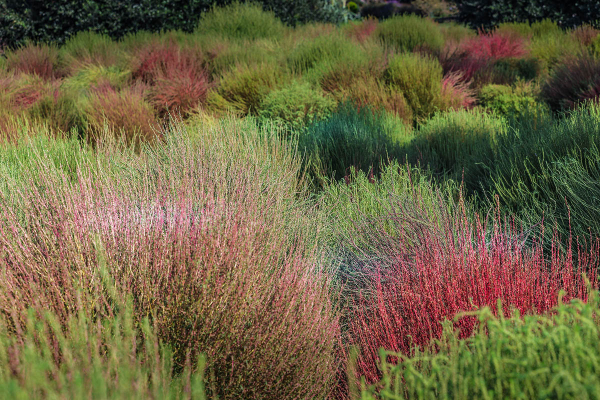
x: 56, y: 21
x: 255, y: 210
x: 490, y: 13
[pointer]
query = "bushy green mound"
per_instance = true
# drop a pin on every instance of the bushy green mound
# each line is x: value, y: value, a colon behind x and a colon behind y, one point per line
x: 296, y: 105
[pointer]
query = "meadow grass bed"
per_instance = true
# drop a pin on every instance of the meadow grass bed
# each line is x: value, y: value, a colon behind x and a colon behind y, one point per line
x: 255, y: 211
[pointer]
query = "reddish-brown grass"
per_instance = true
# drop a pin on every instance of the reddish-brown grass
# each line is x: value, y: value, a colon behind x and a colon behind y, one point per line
x: 34, y: 59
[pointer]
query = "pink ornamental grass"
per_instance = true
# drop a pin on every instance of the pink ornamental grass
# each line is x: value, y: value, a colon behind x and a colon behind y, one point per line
x: 205, y: 248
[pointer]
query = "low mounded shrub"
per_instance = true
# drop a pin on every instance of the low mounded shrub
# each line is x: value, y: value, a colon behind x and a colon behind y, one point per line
x: 350, y: 139
x: 245, y: 87
x: 296, y: 105
x: 240, y: 21
x: 505, y: 101
x: 419, y: 78
x: 409, y: 32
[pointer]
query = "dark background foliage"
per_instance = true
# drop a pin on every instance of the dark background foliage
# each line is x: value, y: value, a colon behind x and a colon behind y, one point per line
x: 57, y: 20
x: 489, y: 13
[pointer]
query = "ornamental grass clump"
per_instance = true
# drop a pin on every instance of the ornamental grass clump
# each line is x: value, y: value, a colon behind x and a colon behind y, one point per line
x: 571, y: 83
x: 34, y: 59
x: 125, y: 114
x: 206, y: 235
x: 83, y: 358
x: 410, y: 32
x: 241, y: 21
x: 419, y: 78
x: 555, y: 355
x: 448, y: 264
x: 350, y: 139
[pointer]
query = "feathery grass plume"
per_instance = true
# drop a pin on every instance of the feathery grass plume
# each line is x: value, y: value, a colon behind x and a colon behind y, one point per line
x: 34, y: 59
x: 245, y: 87
x: 456, y: 93
x: 296, y: 105
x: 409, y: 32
x: 350, y: 139
x: 419, y: 78
x: 552, y: 355
x: 207, y: 235
x: 436, y: 273
x: 179, y: 81
x: 164, y: 57
x: 86, y: 48
x: 495, y: 46
x: 241, y: 21
x: 570, y: 83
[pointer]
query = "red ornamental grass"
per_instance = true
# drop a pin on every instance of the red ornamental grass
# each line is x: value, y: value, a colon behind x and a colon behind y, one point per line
x: 34, y: 59
x: 460, y: 268
x: 179, y: 91
x: 455, y: 58
x: 455, y: 92
x: 125, y: 112
x: 20, y: 92
x: 495, y: 46
x: 178, y: 78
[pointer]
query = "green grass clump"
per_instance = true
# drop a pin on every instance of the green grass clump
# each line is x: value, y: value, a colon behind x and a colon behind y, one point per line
x: 506, y: 101
x: 407, y: 32
x: 225, y: 54
x: 92, y: 76
x: 326, y: 48
x: 241, y: 21
x: 419, y: 78
x: 296, y: 105
x: 244, y: 88
x: 551, y: 49
x: 457, y: 142
x: 350, y: 139
x: 112, y: 359
x: 531, y: 356
x: 88, y: 47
